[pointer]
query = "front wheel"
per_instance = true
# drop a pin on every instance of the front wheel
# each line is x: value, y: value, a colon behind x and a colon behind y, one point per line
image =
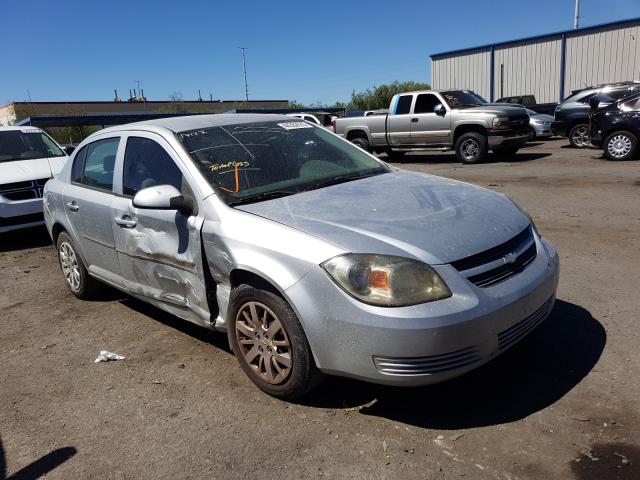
x: 579, y: 136
x: 471, y: 148
x: 269, y: 343
x: 620, y: 145
x: 532, y: 134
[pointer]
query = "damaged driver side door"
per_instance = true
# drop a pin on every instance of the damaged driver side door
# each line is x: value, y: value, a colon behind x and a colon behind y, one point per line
x: 159, y: 250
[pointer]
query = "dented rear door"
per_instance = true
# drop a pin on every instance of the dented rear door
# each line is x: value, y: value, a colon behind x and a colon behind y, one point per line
x: 159, y: 250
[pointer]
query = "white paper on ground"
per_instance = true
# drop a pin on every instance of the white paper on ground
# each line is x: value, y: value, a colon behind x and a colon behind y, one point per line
x: 107, y: 356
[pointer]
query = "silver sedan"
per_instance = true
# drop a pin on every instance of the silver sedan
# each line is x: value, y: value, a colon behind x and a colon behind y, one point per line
x: 539, y: 125
x: 312, y: 255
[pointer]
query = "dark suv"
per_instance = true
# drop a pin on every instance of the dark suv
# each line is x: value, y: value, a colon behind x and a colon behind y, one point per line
x: 615, y: 127
x: 572, y: 115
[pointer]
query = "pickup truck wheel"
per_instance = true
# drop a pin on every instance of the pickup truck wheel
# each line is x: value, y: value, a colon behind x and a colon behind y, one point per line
x: 620, y: 145
x: 362, y: 142
x: 505, y: 153
x: 270, y: 344
x: 471, y: 148
x: 579, y: 136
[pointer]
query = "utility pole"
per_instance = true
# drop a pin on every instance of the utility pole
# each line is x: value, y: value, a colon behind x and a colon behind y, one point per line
x: 577, y: 15
x: 139, y: 91
x: 244, y: 68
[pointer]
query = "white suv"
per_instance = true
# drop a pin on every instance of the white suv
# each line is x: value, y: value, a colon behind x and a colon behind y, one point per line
x: 28, y: 158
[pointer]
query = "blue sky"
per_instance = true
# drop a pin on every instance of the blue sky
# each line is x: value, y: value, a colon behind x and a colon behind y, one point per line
x: 309, y: 51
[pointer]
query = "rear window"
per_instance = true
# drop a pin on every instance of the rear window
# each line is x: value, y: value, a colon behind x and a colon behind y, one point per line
x: 19, y: 145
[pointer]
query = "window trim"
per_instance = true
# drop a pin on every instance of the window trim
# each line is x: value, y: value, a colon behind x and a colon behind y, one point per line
x: 84, y: 160
x: 426, y: 113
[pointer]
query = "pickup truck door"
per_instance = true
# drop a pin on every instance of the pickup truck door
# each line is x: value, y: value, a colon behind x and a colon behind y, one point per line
x: 427, y: 127
x: 399, y: 121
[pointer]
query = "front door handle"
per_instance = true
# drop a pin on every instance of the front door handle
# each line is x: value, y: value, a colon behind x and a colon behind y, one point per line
x: 415, y: 120
x: 73, y: 206
x: 126, y: 221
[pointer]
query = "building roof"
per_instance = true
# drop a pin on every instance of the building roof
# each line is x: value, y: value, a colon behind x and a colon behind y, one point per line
x: 152, y: 102
x: 435, y: 56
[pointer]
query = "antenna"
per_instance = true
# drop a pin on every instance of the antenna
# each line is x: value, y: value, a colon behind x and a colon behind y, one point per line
x: 244, y: 68
x: 29, y: 93
x: 138, y: 82
x: 576, y: 19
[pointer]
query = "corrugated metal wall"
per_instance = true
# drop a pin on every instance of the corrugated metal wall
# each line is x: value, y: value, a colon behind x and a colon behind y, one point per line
x: 602, y: 56
x: 529, y: 68
x: 469, y: 71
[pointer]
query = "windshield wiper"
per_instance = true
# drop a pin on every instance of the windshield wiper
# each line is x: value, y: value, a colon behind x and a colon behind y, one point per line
x: 259, y: 197
x: 348, y: 177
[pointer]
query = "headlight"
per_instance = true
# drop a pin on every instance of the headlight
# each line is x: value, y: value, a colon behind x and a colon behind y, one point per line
x: 499, y: 123
x: 386, y: 280
x: 535, y: 121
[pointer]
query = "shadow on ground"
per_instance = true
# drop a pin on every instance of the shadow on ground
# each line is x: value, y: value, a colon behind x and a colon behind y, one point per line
x: 531, y: 376
x: 24, y: 239
x: 611, y: 461
x: 451, y: 158
x: 40, y: 467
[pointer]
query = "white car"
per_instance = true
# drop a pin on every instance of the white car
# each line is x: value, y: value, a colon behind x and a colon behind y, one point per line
x: 28, y: 158
x: 306, y: 116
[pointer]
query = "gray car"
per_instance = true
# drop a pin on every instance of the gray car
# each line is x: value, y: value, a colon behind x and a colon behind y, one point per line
x: 539, y: 125
x: 314, y: 256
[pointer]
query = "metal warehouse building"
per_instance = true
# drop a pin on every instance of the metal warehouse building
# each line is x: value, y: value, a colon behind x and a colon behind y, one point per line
x: 547, y: 66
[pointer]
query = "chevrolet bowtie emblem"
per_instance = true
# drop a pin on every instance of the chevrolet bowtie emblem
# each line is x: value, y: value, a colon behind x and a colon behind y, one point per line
x: 510, y: 258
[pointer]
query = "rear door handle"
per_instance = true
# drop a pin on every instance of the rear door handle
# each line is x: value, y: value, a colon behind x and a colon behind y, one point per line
x: 415, y: 120
x: 126, y: 221
x: 73, y: 206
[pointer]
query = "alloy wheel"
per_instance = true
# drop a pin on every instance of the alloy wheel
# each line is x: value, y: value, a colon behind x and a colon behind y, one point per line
x: 70, y: 267
x: 619, y: 146
x: 470, y: 149
x: 581, y: 136
x: 263, y: 342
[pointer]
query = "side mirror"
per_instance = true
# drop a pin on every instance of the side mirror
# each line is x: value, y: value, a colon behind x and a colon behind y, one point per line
x: 164, y: 197
x: 69, y: 149
x: 439, y: 110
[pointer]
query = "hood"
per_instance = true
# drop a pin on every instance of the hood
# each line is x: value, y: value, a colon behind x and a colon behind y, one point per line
x: 433, y: 219
x: 495, y: 109
x: 31, y: 169
x: 543, y: 117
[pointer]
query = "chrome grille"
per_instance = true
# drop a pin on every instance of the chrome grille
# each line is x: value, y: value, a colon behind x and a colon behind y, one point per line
x: 499, y: 263
x: 427, y: 365
x: 23, y: 190
x: 511, y: 335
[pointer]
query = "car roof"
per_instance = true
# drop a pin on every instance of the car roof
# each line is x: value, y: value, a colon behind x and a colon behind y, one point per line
x: 24, y: 129
x: 192, y: 122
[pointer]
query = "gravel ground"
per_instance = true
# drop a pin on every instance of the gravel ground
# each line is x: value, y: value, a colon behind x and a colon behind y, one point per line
x: 564, y: 403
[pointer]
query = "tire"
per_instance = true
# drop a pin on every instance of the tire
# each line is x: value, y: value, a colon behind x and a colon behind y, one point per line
x: 256, y: 348
x: 505, y: 153
x: 362, y: 142
x: 579, y: 136
x: 395, y: 155
x: 621, y: 145
x: 76, y: 277
x: 532, y: 135
x: 471, y: 148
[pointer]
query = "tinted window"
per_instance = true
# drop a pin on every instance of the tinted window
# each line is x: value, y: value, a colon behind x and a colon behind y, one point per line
x: 99, y: 162
x: 147, y: 164
x: 404, y: 105
x: 78, y: 165
x: 462, y: 98
x: 621, y: 93
x: 425, y: 103
x: 243, y: 161
x: 32, y: 143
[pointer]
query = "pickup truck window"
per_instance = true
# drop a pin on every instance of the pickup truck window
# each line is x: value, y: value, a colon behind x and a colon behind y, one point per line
x: 462, y: 98
x: 425, y: 103
x: 404, y: 105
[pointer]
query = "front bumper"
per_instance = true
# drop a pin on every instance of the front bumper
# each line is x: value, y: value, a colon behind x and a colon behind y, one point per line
x: 508, y: 139
x: 427, y: 343
x: 15, y: 215
x: 560, y: 128
x: 542, y: 129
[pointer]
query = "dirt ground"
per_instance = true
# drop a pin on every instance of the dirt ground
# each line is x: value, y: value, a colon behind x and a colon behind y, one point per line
x: 562, y: 404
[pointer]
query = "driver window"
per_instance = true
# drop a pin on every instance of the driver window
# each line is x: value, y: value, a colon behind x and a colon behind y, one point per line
x: 147, y: 164
x: 425, y: 103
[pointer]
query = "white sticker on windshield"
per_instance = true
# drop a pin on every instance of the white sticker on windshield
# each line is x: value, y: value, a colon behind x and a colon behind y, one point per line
x: 293, y: 125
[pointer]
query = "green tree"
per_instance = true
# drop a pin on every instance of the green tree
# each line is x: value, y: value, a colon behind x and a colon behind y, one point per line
x: 380, y: 96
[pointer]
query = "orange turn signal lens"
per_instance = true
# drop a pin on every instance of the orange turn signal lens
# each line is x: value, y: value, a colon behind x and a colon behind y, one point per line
x: 379, y: 279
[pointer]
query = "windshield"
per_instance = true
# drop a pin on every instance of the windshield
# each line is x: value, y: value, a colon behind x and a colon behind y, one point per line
x: 19, y: 145
x: 254, y: 161
x: 462, y: 98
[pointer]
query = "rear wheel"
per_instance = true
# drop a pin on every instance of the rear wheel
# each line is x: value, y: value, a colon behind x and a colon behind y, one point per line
x: 362, y: 142
x: 620, y: 145
x: 471, y: 148
x: 269, y: 343
x: 78, y: 280
x: 579, y: 136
